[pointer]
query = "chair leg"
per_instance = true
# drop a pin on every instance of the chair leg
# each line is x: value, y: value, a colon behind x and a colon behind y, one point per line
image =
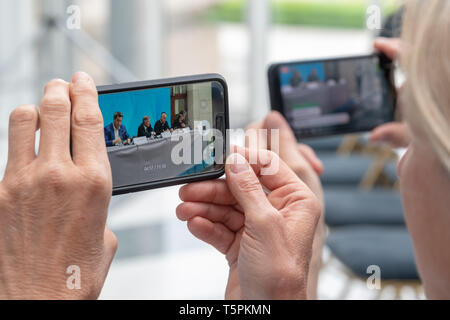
x: 348, y: 145
x: 418, y: 290
x: 375, y: 170
x: 398, y: 292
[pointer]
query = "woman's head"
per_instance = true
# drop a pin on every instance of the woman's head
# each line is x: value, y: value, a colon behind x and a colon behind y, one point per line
x: 425, y: 169
x: 426, y: 62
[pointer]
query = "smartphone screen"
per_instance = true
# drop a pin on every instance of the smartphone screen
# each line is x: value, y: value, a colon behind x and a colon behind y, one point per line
x: 333, y: 96
x: 162, y: 134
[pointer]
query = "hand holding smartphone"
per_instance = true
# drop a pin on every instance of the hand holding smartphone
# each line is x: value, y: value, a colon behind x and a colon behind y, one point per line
x: 334, y: 96
x: 172, y: 131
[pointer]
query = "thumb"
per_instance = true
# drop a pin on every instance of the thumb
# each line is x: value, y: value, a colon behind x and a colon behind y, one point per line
x: 395, y: 134
x: 246, y: 188
x: 391, y: 47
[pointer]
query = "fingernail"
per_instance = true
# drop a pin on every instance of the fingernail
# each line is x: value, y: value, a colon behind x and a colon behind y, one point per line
x: 238, y: 163
x: 80, y: 77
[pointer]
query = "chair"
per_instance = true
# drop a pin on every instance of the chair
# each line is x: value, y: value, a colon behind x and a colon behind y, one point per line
x: 325, y: 144
x: 388, y: 247
x: 351, y: 206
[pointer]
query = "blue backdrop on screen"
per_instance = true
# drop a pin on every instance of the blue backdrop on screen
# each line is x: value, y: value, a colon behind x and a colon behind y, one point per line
x: 304, y: 69
x: 134, y: 105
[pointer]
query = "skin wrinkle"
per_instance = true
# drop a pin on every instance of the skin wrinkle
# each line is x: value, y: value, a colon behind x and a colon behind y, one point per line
x: 53, y: 222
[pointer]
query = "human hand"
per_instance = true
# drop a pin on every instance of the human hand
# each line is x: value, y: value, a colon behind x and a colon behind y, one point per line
x: 117, y: 141
x: 391, y: 47
x: 395, y: 134
x: 267, y: 239
x: 301, y: 158
x: 53, y: 206
x: 303, y: 161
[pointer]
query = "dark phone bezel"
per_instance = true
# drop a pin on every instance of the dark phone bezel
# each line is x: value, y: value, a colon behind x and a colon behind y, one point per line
x: 142, y: 85
x: 276, y: 100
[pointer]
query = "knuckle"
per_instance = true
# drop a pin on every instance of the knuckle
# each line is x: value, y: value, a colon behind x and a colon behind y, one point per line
x: 315, y: 207
x: 88, y: 117
x: 17, y: 184
x: 55, y: 104
x: 23, y: 114
x: 249, y: 184
x: 98, y: 180
x: 318, y: 209
x: 55, y: 176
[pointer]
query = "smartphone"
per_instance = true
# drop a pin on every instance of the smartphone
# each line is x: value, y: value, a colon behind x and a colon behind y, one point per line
x: 334, y: 96
x: 165, y: 132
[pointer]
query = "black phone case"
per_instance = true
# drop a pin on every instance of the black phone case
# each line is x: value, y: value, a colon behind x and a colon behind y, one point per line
x: 275, y: 94
x: 120, y: 87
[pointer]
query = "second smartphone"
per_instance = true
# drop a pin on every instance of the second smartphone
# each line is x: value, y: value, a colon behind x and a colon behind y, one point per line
x: 165, y: 132
x: 334, y: 96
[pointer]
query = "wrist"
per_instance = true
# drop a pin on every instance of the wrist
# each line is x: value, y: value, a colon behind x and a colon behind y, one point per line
x: 288, y: 288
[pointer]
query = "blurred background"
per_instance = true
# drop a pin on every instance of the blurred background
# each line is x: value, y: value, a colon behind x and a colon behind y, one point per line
x: 120, y: 41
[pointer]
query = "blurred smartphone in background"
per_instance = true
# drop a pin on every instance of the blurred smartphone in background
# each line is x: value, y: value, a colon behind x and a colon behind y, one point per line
x: 334, y: 96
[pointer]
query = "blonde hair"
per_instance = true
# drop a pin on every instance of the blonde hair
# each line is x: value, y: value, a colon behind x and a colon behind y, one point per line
x: 426, y: 63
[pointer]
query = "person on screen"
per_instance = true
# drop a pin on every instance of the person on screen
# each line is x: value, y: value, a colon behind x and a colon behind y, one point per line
x: 179, y: 122
x: 115, y: 132
x: 161, y: 125
x: 145, y: 129
x: 296, y: 79
x: 313, y: 77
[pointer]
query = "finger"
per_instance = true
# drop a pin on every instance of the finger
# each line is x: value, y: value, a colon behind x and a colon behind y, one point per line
x: 23, y: 123
x: 54, y: 119
x: 246, y: 188
x: 390, y: 47
x: 111, y: 244
x: 212, y: 233
x: 88, y: 141
x: 256, y: 136
x: 310, y: 156
x: 254, y: 125
x: 395, y: 134
x: 287, y: 141
x: 211, y: 191
x: 227, y: 215
x: 272, y: 172
x: 282, y: 141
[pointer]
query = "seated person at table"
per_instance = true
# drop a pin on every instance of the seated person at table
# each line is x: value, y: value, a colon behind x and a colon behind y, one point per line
x: 179, y: 122
x: 161, y: 125
x: 313, y: 76
x: 116, y: 133
x: 296, y: 79
x: 145, y: 129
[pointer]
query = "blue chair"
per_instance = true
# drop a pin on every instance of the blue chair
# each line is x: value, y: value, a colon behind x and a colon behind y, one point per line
x: 388, y: 247
x: 347, y: 171
x: 327, y: 144
x: 349, y: 206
